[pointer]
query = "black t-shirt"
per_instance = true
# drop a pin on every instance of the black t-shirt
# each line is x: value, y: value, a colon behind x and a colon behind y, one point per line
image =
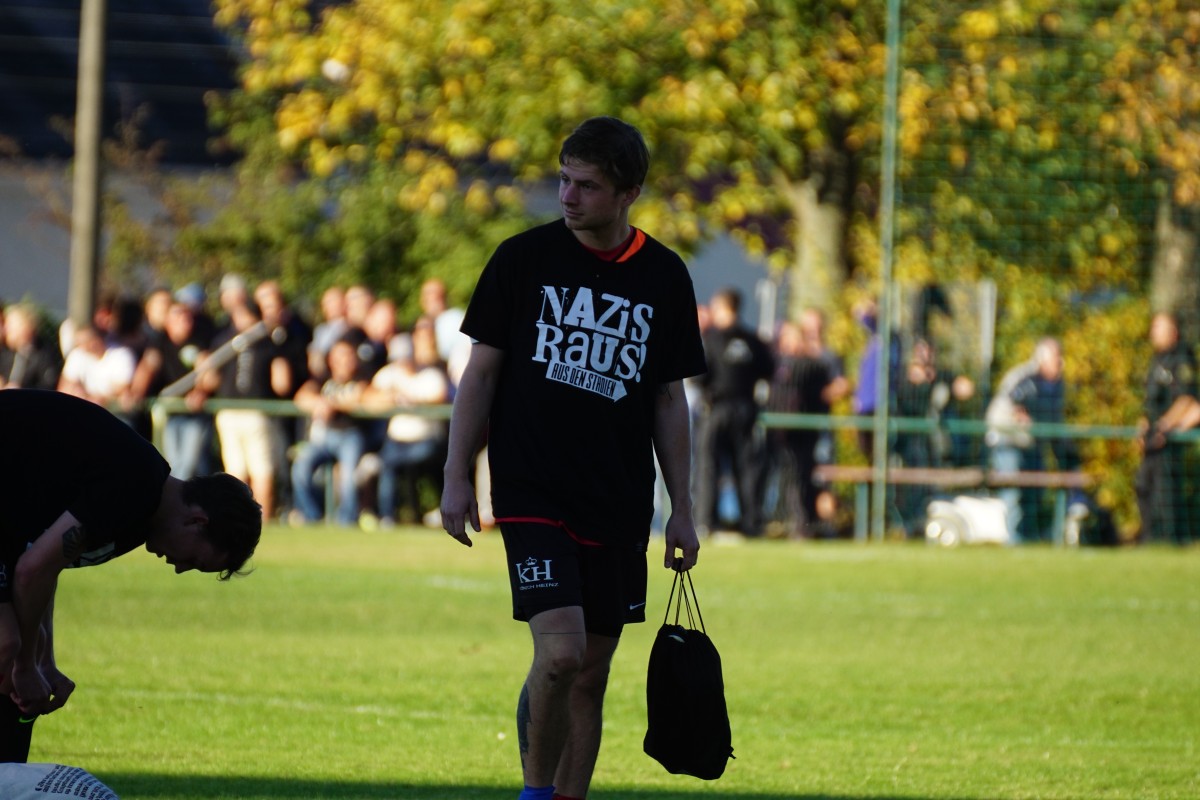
x: 66, y: 454
x: 178, y: 360
x: 587, y: 345
x: 247, y: 375
x: 1044, y: 400
x: 292, y: 340
x: 1172, y: 374
x: 916, y: 399
x: 737, y: 360
x: 36, y: 367
x: 798, y: 385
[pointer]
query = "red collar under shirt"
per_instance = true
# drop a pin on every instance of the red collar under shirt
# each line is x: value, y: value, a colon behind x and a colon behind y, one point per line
x: 624, y: 251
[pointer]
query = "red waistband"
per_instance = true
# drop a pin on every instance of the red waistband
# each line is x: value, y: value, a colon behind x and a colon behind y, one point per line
x: 554, y: 523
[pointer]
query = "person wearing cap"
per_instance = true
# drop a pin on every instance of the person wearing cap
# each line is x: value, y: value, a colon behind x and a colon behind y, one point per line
x: 232, y: 293
x: 171, y: 355
x: 194, y: 297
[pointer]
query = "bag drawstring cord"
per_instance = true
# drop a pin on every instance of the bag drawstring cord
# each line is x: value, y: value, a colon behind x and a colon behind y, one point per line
x: 682, y: 601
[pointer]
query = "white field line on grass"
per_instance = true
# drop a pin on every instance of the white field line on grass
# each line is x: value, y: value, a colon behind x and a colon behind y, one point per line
x: 467, y: 585
x: 288, y: 704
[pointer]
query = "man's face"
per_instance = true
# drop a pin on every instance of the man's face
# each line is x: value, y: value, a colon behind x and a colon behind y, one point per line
x: 1163, y: 333
x: 811, y: 327
x: 790, y: 339
x: 424, y: 343
x: 157, y: 306
x: 723, y: 314
x: 588, y: 199
x: 343, y: 362
x: 271, y: 304
x: 20, y: 330
x: 359, y: 300
x: 333, y: 303
x: 186, y: 548
x: 1050, y: 365
x: 433, y: 297
x: 180, y: 323
x: 243, y: 318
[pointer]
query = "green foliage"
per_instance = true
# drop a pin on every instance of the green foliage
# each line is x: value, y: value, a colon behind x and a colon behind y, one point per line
x: 386, y: 140
x: 1020, y: 166
x: 313, y: 234
x: 371, y: 667
x: 1014, y: 165
x: 734, y: 97
x: 1019, y: 143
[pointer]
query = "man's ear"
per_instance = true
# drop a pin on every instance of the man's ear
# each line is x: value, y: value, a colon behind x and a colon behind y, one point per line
x: 631, y: 195
x: 195, y: 516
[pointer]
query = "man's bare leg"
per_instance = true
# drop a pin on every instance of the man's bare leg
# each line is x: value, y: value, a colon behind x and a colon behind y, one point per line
x: 543, y: 712
x: 586, y: 704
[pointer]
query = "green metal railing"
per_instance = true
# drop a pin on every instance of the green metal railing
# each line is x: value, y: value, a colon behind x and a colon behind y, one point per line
x: 160, y: 410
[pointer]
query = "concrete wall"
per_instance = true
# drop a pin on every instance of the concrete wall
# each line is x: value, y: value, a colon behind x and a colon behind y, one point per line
x: 35, y: 256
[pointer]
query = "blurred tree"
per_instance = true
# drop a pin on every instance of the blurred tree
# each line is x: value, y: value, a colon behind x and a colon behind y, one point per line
x: 1153, y: 79
x: 759, y: 114
x: 1001, y: 159
x: 1009, y: 173
x: 764, y: 119
x: 769, y: 115
x: 386, y: 139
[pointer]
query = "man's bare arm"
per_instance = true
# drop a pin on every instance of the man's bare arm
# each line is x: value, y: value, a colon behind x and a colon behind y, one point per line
x: 1182, y: 415
x: 472, y: 406
x: 34, y: 585
x: 673, y: 446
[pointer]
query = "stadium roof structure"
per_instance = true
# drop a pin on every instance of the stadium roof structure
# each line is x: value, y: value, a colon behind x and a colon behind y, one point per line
x: 162, y: 57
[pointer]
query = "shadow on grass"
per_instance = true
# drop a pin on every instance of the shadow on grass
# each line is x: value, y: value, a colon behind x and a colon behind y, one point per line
x: 208, y: 787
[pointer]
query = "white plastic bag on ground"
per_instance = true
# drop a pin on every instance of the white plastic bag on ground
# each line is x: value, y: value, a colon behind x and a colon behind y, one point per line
x: 50, y: 781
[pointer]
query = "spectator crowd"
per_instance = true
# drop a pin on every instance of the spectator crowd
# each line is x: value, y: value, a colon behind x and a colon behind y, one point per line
x: 760, y: 480
x: 355, y: 378
x: 357, y: 436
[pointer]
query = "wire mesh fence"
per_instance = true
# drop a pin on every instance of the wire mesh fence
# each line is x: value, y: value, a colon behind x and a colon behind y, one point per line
x: 1042, y: 219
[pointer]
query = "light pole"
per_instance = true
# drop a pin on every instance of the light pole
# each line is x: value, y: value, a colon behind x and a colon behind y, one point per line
x: 85, y: 204
x: 886, y: 238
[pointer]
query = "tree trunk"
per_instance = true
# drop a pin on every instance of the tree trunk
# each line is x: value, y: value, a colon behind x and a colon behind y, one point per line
x: 819, y: 206
x: 1175, y: 266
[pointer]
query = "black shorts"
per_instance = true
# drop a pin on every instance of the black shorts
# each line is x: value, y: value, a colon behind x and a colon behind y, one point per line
x: 548, y: 568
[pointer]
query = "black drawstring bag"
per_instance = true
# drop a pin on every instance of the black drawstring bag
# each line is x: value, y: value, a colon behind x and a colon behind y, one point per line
x: 688, y: 723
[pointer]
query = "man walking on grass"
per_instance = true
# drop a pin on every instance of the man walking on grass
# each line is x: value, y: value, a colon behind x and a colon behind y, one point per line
x: 583, y: 330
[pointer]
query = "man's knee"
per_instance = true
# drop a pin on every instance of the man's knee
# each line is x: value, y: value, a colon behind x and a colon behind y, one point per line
x: 559, y: 665
x: 559, y: 658
x: 592, y: 681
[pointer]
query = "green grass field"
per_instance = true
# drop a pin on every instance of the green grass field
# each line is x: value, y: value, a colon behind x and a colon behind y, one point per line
x: 355, y: 665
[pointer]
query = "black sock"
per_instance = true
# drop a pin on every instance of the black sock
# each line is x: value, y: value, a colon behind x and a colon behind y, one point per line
x: 16, y: 731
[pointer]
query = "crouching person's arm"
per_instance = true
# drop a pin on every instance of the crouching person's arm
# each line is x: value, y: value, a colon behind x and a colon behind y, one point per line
x: 34, y: 584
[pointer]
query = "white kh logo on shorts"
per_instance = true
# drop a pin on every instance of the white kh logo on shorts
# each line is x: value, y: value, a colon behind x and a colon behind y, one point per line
x: 533, y: 571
